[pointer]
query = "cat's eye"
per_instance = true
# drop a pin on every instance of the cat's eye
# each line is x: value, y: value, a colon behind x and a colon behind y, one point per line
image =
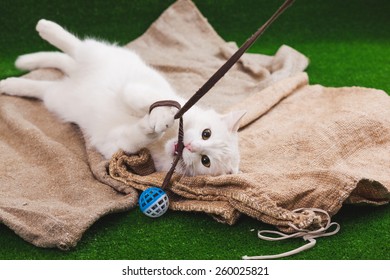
x: 206, y: 134
x: 205, y: 161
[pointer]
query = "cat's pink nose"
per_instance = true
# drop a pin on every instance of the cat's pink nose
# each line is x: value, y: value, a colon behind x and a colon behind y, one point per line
x: 189, y: 147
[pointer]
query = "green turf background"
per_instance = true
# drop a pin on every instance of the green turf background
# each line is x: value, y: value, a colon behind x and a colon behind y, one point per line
x: 348, y: 43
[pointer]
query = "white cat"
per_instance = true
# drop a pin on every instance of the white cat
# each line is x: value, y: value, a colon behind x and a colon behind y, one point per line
x: 107, y: 90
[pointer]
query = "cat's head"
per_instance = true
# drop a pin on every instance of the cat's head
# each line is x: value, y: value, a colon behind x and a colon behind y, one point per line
x: 211, y: 144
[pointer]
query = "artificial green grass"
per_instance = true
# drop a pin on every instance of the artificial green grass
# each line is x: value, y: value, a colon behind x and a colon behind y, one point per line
x: 348, y: 43
x: 195, y: 236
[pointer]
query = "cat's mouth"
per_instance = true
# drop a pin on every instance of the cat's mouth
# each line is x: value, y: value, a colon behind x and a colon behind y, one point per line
x: 175, y: 148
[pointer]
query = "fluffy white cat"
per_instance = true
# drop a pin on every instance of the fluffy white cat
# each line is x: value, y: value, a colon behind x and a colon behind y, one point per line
x: 107, y: 91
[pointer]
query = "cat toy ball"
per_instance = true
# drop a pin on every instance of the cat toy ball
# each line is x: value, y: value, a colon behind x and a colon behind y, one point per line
x: 153, y: 202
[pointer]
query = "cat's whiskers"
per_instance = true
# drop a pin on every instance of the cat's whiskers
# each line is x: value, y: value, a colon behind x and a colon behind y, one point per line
x: 189, y: 168
x: 183, y: 169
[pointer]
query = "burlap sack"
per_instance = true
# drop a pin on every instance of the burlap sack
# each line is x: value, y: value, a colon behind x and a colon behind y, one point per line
x: 302, y: 146
x: 315, y: 147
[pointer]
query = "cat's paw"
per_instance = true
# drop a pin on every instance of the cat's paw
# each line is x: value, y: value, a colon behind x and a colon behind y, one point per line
x: 2, y: 90
x: 43, y: 25
x: 45, y: 28
x: 161, y: 118
x: 26, y: 62
x: 7, y: 85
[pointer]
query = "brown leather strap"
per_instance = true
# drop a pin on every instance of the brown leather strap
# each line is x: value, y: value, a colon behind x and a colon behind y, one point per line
x: 231, y: 61
x: 180, y: 147
x: 172, y: 103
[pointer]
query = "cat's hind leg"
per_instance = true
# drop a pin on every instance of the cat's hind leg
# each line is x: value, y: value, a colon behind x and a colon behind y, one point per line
x: 24, y: 87
x: 58, y: 36
x: 37, y: 60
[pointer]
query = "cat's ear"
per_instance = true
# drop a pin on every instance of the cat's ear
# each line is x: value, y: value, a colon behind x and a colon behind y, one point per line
x: 233, y: 119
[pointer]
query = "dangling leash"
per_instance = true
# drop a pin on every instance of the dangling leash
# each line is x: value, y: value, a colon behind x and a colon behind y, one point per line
x: 208, y: 85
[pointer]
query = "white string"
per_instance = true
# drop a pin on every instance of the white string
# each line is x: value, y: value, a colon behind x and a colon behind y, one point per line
x: 307, y: 235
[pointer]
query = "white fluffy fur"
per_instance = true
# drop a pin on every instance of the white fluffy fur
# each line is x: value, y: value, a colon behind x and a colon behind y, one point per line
x: 107, y: 90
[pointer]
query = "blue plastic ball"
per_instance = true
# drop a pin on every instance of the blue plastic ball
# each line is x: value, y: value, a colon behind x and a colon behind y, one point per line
x: 153, y: 202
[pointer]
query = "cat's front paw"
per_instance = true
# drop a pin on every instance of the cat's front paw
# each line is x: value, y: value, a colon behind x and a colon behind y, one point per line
x: 162, y: 118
